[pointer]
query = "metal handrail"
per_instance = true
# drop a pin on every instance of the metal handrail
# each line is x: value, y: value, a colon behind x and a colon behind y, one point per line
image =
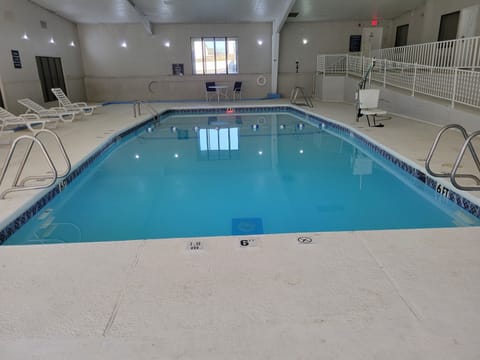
x: 453, y: 174
x: 467, y: 144
x: 294, y: 94
x: 137, y: 108
x: 18, y: 185
x: 68, y: 166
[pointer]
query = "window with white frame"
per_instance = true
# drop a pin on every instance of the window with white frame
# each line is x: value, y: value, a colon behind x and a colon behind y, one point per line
x: 215, y: 55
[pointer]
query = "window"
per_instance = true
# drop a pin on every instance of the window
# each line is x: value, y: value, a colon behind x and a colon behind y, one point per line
x: 215, y: 55
x: 51, y: 76
x: 448, y: 26
x: 401, y: 36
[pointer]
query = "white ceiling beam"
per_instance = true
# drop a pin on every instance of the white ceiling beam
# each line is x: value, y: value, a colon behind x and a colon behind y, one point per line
x: 143, y: 19
x: 280, y: 21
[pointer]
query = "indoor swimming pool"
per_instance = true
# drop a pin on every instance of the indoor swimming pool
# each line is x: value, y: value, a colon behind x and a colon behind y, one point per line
x: 229, y: 172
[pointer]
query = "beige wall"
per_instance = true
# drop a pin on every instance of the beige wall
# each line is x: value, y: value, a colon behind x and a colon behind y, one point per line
x: 424, y: 22
x: 18, y: 17
x: 143, y: 69
x: 323, y: 38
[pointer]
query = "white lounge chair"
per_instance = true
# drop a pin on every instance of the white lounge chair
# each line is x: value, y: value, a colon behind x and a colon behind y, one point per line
x: 49, y: 114
x: 11, y: 121
x: 5, y: 137
x: 368, y: 105
x: 67, y: 105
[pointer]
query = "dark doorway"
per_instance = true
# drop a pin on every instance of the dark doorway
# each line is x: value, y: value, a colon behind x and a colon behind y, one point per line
x: 448, y: 26
x: 1, y: 99
x: 402, y: 35
x: 50, y: 72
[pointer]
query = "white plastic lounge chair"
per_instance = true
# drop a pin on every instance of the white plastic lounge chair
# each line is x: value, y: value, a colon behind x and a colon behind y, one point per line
x: 67, y: 105
x: 48, y: 114
x: 5, y: 137
x: 368, y: 105
x: 9, y: 121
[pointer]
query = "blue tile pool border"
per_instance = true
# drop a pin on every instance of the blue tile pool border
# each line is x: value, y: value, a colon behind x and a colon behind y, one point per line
x: 421, y: 176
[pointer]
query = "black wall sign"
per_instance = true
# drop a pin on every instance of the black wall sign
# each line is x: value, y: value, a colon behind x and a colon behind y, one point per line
x: 17, y: 63
x: 355, y: 43
x: 177, y: 69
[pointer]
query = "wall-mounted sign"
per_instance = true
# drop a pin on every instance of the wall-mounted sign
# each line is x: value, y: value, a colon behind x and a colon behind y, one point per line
x: 177, y: 69
x: 355, y: 43
x: 17, y: 63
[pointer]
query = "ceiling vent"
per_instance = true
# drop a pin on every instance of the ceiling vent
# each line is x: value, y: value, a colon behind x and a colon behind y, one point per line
x: 293, y: 14
x: 43, y: 24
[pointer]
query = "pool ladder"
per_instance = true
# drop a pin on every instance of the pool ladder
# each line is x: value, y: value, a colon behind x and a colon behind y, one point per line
x: 137, y: 108
x: 466, y: 145
x: 304, y: 100
x: 52, y: 175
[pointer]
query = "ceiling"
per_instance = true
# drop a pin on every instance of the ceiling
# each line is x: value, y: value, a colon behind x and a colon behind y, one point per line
x: 224, y: 11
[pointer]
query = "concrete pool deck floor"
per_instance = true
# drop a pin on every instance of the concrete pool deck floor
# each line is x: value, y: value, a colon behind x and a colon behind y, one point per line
x: 403, y: 294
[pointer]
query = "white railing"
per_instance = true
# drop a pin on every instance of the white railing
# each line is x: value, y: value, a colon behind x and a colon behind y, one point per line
x: 453, y: 84
x: 461, y: 53
x: 332, y: 64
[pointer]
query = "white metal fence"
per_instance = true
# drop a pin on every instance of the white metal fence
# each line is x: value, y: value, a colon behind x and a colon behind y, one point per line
x: 453, y: 84
x: 461, y: 53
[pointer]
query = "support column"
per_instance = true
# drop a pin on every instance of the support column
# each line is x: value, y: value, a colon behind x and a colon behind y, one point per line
x: 275, y: 54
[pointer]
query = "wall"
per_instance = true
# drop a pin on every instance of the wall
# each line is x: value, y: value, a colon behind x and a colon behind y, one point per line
x: 424, y: 22
x: 143, y: 70
x: 18, y: 17
x: 323, y: 38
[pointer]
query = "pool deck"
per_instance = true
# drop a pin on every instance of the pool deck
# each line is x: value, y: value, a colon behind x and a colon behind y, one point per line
x: 403, y: 294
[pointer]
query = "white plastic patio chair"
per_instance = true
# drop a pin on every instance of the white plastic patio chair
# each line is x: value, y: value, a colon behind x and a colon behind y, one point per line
x: 368, y: 105
x: 52, y: 114
x: 67, y: 105
x: 10, y: 121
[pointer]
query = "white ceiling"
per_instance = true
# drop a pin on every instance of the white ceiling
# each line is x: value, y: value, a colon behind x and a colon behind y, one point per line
x: 224, y: 11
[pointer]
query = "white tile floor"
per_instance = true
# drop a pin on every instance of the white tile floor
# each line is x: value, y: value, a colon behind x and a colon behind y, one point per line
x: 406, y: 294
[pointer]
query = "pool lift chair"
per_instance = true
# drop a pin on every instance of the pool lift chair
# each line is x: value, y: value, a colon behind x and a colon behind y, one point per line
x: 368, y: 105
x: 367, y: 99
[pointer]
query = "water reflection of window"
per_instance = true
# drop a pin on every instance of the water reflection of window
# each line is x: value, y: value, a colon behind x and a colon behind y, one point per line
x: 218, y: 139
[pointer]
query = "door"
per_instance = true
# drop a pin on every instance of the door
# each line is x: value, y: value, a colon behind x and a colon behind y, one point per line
x: 401, y: 36
x: 2, y: 104
x: 448, y: 26
x: 371, y: 40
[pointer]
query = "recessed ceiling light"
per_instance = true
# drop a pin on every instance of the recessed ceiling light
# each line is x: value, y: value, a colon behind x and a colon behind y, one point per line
x: 52, y: 41
x: 25, y: 36
x: 123, y: 44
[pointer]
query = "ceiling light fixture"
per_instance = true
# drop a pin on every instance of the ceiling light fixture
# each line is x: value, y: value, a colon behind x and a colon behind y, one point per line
x: 260, y: 42
x: 124, y: 44
x: 305, y: 41
x: 25, y: 36
x: 72, y: 44
x: 52, y: 41
x: 167, y: 44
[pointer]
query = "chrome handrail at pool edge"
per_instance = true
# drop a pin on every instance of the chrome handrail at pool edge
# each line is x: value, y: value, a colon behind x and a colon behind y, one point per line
x: 453, y: 173
x: 19, y: 185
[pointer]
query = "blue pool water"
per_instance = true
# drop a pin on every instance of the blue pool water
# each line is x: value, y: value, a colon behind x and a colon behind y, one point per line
x: 187, y: 176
